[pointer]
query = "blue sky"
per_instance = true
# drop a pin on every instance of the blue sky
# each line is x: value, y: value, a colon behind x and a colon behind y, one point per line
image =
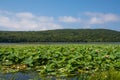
x: 30, y: 15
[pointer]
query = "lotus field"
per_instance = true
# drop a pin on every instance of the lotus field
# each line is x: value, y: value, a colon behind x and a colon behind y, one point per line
x: 60, y: 59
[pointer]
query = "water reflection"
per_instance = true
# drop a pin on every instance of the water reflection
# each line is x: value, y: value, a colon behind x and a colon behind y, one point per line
x: 19, y: 76
x: 35, y: 76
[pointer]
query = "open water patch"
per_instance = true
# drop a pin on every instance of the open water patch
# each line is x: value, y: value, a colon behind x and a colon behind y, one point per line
x: 36, y: 76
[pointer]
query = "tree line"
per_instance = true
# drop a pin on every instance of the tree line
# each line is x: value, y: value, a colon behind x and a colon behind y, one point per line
x: 61, y: 35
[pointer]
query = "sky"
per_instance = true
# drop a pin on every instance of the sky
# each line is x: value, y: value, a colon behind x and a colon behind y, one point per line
x: 37, y: 15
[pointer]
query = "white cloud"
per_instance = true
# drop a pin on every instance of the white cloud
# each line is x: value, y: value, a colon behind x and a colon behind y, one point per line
x: 69, y: 19
x: 26, y: 21
x: 90, y: 19
x: 100, y: 18
x: 25, y: 15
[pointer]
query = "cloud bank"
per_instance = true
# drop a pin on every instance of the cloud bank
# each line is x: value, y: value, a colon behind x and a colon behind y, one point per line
x: 100, y: 18
x: 26, y: 21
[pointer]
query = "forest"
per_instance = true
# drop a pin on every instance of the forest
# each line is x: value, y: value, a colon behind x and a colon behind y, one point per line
x: 61, y: 35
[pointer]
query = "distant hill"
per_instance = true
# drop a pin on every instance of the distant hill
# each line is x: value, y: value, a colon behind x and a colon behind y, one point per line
x: 61, y: 35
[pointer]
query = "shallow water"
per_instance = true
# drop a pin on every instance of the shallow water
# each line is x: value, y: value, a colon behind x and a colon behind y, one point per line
x: 17, y: 76
x: 35, y: 76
